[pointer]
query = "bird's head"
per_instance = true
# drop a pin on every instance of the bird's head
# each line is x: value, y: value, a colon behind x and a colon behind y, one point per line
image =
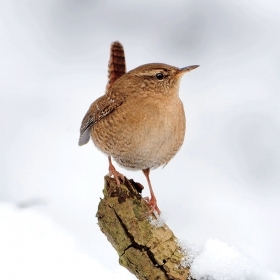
x: 153, y: 78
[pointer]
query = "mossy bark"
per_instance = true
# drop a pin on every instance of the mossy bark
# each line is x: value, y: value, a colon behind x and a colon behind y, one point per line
x: 148, y: 251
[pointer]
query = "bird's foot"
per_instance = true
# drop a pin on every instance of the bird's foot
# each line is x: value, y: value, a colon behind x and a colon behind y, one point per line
x: 152, y: 203
x: 115, y: 174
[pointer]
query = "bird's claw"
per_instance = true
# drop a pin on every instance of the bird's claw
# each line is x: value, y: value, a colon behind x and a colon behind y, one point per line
x: 152, y: 203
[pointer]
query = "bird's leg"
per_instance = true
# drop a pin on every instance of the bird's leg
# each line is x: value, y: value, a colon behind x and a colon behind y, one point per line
x: 152, y: 202
x: 113, y: 172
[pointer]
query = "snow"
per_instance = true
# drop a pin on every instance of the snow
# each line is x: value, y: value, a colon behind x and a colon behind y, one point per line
x: 158, y: 221
x: 32, y: 246
x: 189, y: 250
x: 219, y: 261
x: 223, y: 183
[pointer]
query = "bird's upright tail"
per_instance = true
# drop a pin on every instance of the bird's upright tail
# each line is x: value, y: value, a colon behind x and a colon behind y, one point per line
x: 116, y: 67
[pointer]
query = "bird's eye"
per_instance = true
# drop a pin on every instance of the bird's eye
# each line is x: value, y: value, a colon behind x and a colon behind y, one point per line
x: 159, y: 76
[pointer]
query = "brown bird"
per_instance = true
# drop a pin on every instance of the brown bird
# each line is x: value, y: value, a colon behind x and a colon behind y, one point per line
x: 140, y: 121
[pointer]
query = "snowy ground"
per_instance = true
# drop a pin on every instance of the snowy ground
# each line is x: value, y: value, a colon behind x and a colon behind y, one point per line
x: 224, y: 182
x: 32, y: 246
x: 219, y: 261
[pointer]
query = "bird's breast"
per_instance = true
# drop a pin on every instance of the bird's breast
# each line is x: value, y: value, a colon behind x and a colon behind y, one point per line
x: 144, y: 133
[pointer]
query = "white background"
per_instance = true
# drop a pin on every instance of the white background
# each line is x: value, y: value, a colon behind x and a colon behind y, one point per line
x: 223, y: 183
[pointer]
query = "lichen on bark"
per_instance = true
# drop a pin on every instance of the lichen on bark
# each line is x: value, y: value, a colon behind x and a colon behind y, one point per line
x: 147, y: 251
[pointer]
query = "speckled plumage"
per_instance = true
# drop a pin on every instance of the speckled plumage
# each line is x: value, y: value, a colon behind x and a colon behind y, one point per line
x: 140, y: 121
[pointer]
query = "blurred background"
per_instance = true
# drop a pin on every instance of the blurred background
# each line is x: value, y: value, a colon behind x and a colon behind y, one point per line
x: 225, y: 181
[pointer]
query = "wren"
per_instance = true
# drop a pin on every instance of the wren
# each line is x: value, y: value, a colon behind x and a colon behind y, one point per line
x: 140, y: 120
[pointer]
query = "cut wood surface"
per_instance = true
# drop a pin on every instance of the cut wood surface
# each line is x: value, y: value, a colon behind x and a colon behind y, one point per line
x: 147, y: 248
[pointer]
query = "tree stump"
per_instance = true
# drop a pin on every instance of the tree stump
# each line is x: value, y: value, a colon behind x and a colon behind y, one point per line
x: 146, y: 248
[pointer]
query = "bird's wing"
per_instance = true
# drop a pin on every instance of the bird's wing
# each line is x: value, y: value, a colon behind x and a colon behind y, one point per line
x: 108, y: 102
x: 99, y: 109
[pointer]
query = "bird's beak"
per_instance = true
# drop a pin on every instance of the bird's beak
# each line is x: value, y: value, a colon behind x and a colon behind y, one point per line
x: 187, y: 69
